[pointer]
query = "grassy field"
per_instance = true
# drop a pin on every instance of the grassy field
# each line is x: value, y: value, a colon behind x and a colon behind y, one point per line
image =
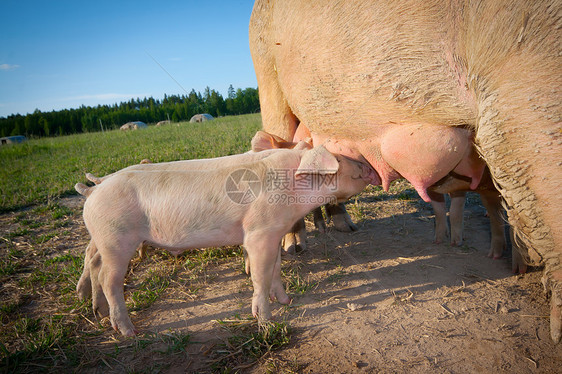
x: 381, y: 299
x: 41, y: 169
x: 43, y: 325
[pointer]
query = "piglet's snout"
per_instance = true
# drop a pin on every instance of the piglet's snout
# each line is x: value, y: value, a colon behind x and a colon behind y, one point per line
x: 357, y: 170
x: 366, y: 172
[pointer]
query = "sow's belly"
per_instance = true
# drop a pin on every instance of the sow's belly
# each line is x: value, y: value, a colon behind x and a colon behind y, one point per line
x: 421, y: 153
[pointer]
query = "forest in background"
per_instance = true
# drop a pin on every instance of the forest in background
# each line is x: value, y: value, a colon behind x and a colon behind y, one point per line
x: 149, y: 110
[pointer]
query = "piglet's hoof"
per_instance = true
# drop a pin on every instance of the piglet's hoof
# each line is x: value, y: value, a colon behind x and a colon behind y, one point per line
x: 440, y: 235
x: 127, y: 332
x: 279, y: 294
x: 292, y: 243
x: 122, y: 323
x: 263, y: 314
x: 84, y: 289
x: 494, y: 256
x: 518, y: 264
x: 100, y: 306
x: 342, y: 221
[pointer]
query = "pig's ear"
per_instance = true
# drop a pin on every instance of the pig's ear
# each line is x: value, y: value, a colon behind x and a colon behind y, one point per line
x: 318, y: 161
x: 263, y: 140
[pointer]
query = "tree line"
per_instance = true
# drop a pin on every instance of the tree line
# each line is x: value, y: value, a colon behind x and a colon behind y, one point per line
x: 149, y: 110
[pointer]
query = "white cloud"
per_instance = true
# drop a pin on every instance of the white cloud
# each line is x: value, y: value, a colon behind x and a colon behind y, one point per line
x: 8, y: 67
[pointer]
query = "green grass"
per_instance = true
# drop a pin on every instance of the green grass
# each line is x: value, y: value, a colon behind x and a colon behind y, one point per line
x: 249, y: 342
x: 43, y: 325
x: 41, y: 169
x: 296, y: 284
x: 200, y: 259
x: 38, y: 338
x: 56, y: 271
x: 150, y: 289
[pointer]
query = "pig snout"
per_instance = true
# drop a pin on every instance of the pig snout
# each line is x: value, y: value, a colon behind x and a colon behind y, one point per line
x: 353, y: 177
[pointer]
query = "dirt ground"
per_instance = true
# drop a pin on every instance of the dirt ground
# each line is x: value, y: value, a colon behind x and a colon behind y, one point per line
x: 384, y: 299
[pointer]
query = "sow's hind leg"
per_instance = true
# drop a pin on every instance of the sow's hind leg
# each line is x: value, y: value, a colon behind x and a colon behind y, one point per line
x: 519, y: 136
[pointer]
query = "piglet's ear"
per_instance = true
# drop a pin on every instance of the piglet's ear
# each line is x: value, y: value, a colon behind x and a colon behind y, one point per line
x: 318, y: 161
x: 262, y: 141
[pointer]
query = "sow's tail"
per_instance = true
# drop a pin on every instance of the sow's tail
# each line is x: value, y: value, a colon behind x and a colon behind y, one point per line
x: 82, y: 189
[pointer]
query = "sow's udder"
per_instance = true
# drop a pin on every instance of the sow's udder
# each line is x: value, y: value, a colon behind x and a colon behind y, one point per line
x: 423, y: 154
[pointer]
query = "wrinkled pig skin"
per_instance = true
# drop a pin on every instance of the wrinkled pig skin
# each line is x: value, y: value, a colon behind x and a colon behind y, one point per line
x: 182, y: 208
x: 396, y: 84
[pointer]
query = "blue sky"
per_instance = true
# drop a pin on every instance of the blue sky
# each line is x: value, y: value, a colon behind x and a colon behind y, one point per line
x: 63, y: 54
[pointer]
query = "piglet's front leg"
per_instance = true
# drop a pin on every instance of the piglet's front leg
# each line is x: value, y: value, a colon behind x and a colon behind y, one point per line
x: 338, y: 214
x: 493, y: 204
x: 277, y: 291
x: 263, y: 251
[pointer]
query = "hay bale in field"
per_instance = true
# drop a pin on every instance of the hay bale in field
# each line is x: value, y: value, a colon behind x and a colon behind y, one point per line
x: 13, y: 139
x: 161, y: 123
x: 135, y: 125
x: 201, y: 118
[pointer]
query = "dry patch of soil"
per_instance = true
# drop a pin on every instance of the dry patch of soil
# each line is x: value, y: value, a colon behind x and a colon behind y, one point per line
x: 384, y: 299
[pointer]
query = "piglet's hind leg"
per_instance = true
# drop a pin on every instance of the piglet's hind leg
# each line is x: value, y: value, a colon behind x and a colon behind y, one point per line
x: 440, y: 211
x: 492, y: 202
x: 456, y: 213
x: 112, y: 274
x: 84, y: 286
x: 99, y: 302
